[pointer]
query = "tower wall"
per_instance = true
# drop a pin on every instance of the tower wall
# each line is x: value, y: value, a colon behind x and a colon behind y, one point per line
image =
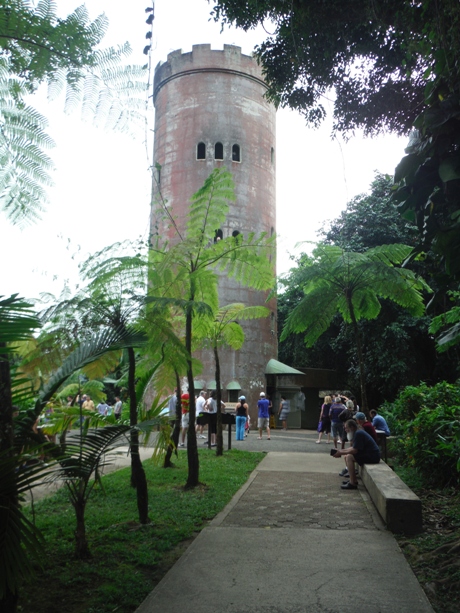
x: 209, y: 96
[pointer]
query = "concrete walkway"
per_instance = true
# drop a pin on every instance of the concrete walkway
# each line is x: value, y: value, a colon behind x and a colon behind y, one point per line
x: 291, y: 541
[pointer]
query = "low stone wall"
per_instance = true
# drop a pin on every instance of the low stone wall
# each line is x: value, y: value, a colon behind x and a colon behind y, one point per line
x: 397, y: 504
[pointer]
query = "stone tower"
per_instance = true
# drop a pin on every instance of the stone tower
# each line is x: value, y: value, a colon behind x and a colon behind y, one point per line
x: 210, y: 111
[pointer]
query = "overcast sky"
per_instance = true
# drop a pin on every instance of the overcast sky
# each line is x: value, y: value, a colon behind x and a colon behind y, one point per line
x: 102, y: 180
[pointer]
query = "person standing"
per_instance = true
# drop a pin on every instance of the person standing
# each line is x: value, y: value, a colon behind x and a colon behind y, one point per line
x: 185, y: 401
x: 211, y: 406
x: 325, y: 427
x: 103, y: 408
x: 200, y: 408
x: 117, y: 407
x: 172, y: 405
x: 241, y: 417
x: 336, y: 424
x: 283, y: 411
x: 88, y: 404
x: 263, y: 420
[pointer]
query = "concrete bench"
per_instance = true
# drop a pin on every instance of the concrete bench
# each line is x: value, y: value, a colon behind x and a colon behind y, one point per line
x: 397, y: 504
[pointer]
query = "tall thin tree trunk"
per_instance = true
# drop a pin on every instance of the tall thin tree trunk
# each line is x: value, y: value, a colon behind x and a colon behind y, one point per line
x: 81, y: 543
x: 193, y: 477
x: 219, y: 436
x: 359, y: 351
x: 8, y: 603
x: 138, y: 478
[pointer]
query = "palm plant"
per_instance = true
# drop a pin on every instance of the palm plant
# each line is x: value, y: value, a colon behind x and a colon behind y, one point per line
x: 85, y: 456
x: 186, y: 273
x: 352, y: 284
x: 224, y: 330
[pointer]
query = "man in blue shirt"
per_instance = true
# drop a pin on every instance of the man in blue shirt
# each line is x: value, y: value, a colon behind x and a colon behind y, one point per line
x: 364, y: 450
x: 379, y: 422
x: 263, y: 420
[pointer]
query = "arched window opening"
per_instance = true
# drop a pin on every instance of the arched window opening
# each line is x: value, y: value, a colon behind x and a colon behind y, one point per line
x: 218, y: 151
x: 201, y: 151
x: 236, y: 153
x: 236, y: 233
x: 272, y: 156
x: 218, y: 236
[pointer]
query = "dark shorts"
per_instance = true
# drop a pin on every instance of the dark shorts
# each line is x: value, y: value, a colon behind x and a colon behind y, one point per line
x: 363, y: 458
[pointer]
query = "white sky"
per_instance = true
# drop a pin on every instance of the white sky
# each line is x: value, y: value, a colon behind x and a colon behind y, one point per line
x: 102, y: 182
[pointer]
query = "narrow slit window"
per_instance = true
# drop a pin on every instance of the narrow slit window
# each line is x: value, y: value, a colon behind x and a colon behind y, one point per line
x: 272, y: 155
x: 218, y: 236
x: 218, y: 151
x: 236, y: 153
x: 201, y: 151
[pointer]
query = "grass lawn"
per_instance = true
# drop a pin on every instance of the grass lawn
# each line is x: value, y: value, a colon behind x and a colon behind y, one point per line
x: 128, y: 559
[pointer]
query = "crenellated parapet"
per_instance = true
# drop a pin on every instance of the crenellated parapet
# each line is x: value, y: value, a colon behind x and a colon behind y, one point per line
x: 204, y: 59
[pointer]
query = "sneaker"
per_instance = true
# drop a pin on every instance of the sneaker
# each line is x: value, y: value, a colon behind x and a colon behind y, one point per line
x: 343, y: 473
x: 181, y: 445
x: 349, y: 486
x: 201, y: 436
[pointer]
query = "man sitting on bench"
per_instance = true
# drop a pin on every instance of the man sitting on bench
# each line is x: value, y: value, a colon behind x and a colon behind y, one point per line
x: 364, y: 450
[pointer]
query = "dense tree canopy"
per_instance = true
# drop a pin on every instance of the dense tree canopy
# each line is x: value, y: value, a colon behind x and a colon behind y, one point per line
x: 38, y: 45
x: 397, y: 347
x: 373, y: 58
x: 390, y: 65
x: 369, y: 220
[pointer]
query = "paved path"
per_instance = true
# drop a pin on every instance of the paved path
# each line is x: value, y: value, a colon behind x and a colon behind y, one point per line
x: 291, y: 541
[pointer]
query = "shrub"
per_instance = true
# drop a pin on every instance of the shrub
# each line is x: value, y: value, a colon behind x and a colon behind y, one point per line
x: 427, y: 422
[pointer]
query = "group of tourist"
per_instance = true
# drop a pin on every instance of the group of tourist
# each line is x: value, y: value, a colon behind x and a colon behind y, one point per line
x: 203, y: 404
x: 103, y: 408
x: 334, y: 415
x: 342, y: 418
x: 243, y: 421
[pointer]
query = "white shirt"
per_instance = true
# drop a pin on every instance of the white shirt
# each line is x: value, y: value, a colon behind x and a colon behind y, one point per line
x: 200, y: 402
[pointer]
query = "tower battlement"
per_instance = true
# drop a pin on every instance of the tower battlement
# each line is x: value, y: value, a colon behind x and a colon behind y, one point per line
x: 204, y: 59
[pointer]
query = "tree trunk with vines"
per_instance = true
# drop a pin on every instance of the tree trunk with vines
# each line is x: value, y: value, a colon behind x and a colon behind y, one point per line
x: 138, y: 478
x: 193, y: 477
x: 219, y: 436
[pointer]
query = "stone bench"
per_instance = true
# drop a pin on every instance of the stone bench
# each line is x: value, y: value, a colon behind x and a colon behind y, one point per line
x: 397, y: 504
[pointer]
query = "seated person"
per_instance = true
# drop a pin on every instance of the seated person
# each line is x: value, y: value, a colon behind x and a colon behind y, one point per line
x: 366, y: 425
x: 364, y: 450
x: 379, y: 422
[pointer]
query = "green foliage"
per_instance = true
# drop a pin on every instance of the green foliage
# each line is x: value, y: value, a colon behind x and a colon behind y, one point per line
x: 352, y: 283
x: 369, y: 220
x: 137, y: 556
x: 427, y: 423
x: 184, y: 276
x: 21, y: 543
x: 451, y: 318
x: 377, y: 58
x: 37, y: 46
x: 24, y: 165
